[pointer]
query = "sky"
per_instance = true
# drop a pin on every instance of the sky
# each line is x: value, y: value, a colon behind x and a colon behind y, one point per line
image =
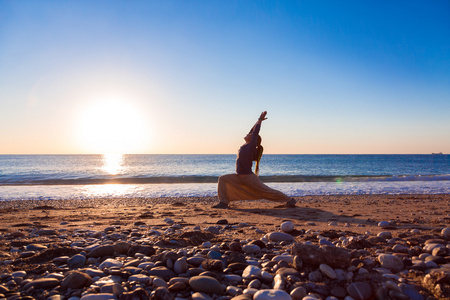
x: 157, y: 77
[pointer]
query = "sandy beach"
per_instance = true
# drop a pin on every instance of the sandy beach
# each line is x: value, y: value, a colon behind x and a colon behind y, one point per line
x: 357, y: 214
x: 405, y: 217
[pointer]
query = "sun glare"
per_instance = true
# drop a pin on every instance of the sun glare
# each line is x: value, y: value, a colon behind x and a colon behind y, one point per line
x: 112, y: 163
x: 112, y: 127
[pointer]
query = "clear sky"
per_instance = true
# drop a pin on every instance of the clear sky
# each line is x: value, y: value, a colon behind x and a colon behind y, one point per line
x: 193, y: 76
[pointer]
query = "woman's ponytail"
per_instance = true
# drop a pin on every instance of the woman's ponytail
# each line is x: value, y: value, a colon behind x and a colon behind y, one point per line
x: 259, y: 153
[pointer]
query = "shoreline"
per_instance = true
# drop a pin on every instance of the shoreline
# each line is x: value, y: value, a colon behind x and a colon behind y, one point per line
x: 36, y: 234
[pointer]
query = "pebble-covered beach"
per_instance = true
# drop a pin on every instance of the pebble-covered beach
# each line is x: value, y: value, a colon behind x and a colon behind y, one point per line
x: 329, y: 247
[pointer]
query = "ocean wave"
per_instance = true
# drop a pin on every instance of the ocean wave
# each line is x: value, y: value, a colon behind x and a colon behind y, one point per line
x: 214, y: 179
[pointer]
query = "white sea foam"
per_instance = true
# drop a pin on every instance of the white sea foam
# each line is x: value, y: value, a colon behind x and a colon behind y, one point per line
x: 210, y: 189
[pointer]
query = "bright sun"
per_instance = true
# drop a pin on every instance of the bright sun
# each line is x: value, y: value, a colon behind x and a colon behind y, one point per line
x: 112, y: 126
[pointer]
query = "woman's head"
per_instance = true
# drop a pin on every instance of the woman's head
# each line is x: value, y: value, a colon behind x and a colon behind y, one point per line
x: 248, y: 138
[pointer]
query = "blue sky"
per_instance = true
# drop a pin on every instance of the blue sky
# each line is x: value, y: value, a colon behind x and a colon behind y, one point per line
x: 193, y: 76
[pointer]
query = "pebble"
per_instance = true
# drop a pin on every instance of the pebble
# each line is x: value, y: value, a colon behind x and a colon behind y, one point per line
x: 76, y: 261
x: 251, y: 248
x: 271, y: 294
x: 391, y: 262
x: 298, y: 293
x: 251, y: 271
x: 329, y: 264
x: 206, y: 284
x: 100, y: 296
x: 328, y: 271
x: 359, y: 290
x: 280, y: 237
x: 384, y: 224
x: 287, y: 226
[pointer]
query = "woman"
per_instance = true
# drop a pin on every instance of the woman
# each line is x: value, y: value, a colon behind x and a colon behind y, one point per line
x: 246, y: 185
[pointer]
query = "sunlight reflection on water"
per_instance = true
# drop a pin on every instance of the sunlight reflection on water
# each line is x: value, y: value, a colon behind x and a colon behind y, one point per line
x: 113, y: 163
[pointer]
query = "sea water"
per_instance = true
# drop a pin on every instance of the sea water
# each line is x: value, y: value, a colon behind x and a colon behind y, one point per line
x: 129, y: 176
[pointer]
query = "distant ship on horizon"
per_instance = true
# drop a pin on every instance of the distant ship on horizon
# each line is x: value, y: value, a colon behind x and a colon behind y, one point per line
x: 439, y: 153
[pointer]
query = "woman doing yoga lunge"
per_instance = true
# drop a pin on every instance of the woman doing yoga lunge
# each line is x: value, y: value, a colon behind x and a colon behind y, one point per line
x: 246, y: 185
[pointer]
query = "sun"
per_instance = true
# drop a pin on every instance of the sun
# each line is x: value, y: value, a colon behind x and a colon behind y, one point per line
x: 112, y: 126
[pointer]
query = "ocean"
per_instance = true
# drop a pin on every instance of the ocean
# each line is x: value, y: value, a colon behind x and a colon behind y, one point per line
x: 131, y: 176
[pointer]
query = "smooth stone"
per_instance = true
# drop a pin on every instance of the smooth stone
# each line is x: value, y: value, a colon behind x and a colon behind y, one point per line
x: 385, y: 235
x: 359, y: 290
x: 122, y: 247
x: 384, y: 224
x: 298, y: 293
x: 19, y: 274
x: 162, y: 272
x: 181, y: 266
x: 214, y: 254
x: 213, y: 265
x: 35, y: 247
x: 61, y: 259
x: 101, y: 296
x: 213, y: 229
x: 325, y: 242
x: 110, y: 263
x: 391, y: 262
x: 76, y: 280
x: 400, y: 249
x: 338, y: 291
x: 183, y: 280
x: 195, y: 260
x: 288, y: 271
x: 280, y: 237
x: 94, y: 272
x: 266, y: 276
x: 235, y: 247
x: 233, y: 290
x: 58, y: 276
x: 251, y: 249
x: 112, y: 288
x: 101, y: 251
x: 315, y: 276
x: 287, y: 226
x: 328, y: 271
x: 200, y: 296
x: 158, y: 282
x: 139, y: 293
x: 233, y: 278
x: 431, y: 246
x: 251, y: 271
x: 254, y: 284
x: 26, y: 254
x: 141, y: 278
x: 177, y: 286
x: 42, y: 283
x: 245, y: 296
x: 207, y: 244
x: 446, y: 232
x: 76, y: 261
x: 271, y: 294
x: 287, y: 258
x: 206, y: 284
x: 410, y: 291
x: 279, y: 282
